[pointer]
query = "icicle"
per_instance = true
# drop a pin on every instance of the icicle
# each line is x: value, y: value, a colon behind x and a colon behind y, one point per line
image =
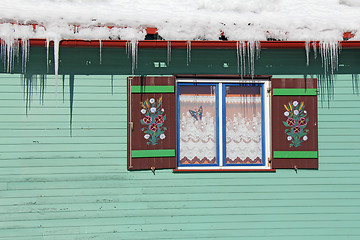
x: 17, y: 52
x: 323, y: 57
x: 3, y: 54
x: 56, y: 60
x: 23, y: 84
x: 134, y: 53
x: 248, y: 57
x: 42, y: 88
x: 238, y: 56
x: 188, y: 52
x: 9, y: 50
x: 253, y: 48
x: 307, y: 50
x: 41, y: 98
x: 112, y: 84
x: 326, y: 87
x: 168, y: 52
x: 243, y: 57
x: 63, y: 87
x: 25, y: 54
x: 71, y: 88
x: 128, y: 48
x: 329, y: 52
x: 30, y: 84
x: 47, y: 54
x: 355, y: 83
x: 336, y: 52
x: 100, y: 46
x: 314, y: 49
x: 34, y: 83
x: 258, y: 49
x: 28, y: 92
x: 321, y: 88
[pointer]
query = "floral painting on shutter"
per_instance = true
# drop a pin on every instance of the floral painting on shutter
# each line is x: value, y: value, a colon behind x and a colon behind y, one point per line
x: 296, y: 123
x: 151, y: 123
x: 153, y: 120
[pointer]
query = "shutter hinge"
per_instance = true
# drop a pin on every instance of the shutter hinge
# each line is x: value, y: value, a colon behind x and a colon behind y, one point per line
x: 268, y: 92
x: 153, y: 170
x: 131, y: 124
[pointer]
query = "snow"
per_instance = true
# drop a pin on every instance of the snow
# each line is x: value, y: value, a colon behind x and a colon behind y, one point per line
x: 251, y: 20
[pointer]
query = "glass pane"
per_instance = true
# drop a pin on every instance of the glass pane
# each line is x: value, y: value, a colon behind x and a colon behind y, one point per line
x: 243, y: 125
x: 197, y: 122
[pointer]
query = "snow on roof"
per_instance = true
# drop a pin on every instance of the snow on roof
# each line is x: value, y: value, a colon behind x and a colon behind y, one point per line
x: 252, y: 20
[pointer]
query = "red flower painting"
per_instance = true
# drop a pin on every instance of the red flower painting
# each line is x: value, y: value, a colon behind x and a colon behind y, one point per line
x: 154, y: 127
x: 290, y: 122
x: 153, y: 120
x: 159, y: 119
x: 296, y: 123
x: 147, y: 120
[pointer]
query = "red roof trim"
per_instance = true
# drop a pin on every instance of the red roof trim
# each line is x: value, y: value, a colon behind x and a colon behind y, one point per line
x: 184, y: 44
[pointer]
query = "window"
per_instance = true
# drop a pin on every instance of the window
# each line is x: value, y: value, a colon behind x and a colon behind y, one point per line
x: 222, y: 123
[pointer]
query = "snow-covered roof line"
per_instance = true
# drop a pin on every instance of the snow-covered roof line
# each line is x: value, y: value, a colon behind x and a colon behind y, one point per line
x: 195, y: 44
x: 251, y: 20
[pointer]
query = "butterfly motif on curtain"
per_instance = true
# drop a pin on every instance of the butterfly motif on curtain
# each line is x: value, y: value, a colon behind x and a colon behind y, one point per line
x: 197, y: 114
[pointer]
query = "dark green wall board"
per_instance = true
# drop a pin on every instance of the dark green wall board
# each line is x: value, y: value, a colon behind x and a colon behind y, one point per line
x: 155, y: 62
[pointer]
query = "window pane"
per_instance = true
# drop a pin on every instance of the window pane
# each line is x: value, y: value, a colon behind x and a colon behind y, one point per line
x: 197, y: 123
x: 243, y: 125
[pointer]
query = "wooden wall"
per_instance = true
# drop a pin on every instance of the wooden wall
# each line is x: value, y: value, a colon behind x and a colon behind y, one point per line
x: 54, y: 186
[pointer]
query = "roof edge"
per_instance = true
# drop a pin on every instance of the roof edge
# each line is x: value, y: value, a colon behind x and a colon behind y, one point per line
x: 195, y: 44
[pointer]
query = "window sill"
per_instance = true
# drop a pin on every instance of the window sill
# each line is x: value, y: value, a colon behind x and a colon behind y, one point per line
x: 222, y: 170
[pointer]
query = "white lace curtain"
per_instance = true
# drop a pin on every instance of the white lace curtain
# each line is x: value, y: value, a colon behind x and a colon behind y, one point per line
x: 197, y: 130
x: 243, y: 129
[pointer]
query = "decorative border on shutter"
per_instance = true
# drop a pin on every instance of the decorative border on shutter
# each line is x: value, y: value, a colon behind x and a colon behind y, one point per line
x: 152, y: 89
x: 294, y: 92
x: 153, y: 153
x: 294, y: 123
x: 151, y: 123
x: 295, y: 154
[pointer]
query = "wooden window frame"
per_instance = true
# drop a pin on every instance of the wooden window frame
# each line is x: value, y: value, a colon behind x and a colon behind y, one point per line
x: 266, y: 125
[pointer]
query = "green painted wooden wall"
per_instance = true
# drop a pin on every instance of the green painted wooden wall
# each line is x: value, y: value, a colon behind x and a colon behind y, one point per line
x: 53, y: 186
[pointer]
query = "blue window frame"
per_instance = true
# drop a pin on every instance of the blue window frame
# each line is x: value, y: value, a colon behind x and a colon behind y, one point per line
x: 194, y: 114
x: 257, y: 89
x: 221, y: 124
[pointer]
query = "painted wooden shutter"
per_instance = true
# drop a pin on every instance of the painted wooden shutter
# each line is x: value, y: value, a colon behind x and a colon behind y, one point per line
x: 294, y: 123
x: 151, y: 123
